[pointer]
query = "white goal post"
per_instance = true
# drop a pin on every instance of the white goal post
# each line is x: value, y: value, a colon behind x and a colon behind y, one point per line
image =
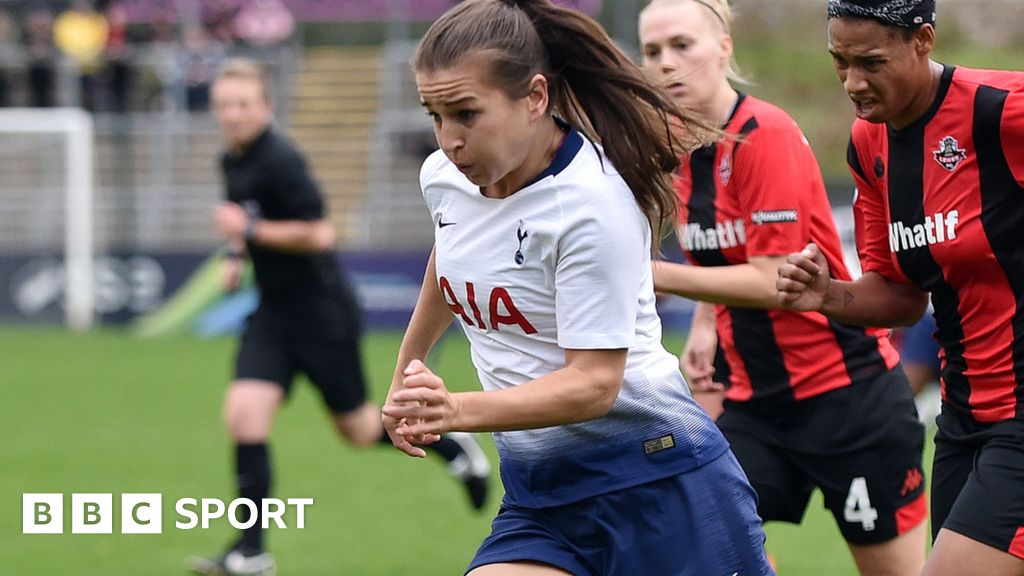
x: 77, y: 127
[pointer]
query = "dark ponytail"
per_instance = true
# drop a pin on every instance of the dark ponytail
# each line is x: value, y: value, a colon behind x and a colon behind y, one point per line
x: 592, y: 84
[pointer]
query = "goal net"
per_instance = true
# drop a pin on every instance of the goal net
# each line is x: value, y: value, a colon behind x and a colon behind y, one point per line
x: 46, y: 209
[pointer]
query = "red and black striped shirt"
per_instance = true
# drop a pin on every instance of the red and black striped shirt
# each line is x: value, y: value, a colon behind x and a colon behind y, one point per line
x: 940, y: 204
x: 761, y: 194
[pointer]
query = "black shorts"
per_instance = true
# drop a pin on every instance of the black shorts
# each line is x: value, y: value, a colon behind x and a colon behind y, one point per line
x: 978, y: 480
x: 861, y: 445
x: 317, y: 340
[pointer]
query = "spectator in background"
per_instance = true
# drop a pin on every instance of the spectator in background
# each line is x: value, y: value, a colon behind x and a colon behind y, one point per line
x: 307, y: 321
x: 42, y: 56
x: 200, y: 58
x: 8, y: 53
x: 117, y: 72
x: 162, y: 88
x: 81, y: 33
x: 264, y: 23
x: 219, y: 18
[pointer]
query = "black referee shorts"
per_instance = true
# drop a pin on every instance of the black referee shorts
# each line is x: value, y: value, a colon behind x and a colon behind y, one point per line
x: 319, y: 341
x: 978, y: 480
x: 861, y: 445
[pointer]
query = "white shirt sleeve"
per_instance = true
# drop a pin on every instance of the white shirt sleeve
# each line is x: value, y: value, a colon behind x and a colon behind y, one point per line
x: 603, y: 250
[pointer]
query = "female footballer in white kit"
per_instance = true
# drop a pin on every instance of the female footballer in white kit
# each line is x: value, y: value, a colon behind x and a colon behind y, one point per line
x: 543, y: 255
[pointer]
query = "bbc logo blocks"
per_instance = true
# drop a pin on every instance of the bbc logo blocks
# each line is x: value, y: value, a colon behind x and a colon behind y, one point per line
x: 42, y: 513
x: 91, y: 513
x: 143, y: 513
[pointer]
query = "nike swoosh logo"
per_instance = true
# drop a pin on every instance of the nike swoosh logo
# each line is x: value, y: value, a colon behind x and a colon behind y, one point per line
x: 441, y: 224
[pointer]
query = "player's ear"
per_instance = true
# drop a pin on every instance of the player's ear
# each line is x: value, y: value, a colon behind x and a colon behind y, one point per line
x: 538, y: 96
x: 924, y: 40
x: 725, y: 45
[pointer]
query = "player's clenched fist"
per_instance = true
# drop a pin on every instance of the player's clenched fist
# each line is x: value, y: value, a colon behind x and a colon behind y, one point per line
x: 803, y: 280
x: 423, y: 407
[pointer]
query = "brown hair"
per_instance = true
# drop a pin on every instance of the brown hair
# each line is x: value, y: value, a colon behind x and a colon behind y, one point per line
x: 593, y: 85
x: 248, y: 69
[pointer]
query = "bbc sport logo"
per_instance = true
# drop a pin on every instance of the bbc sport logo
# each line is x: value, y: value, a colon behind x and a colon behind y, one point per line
x: 143, y: 513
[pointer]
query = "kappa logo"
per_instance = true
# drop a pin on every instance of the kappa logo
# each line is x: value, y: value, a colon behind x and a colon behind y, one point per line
x: 949, y: 155
x: 522, y: 234
x: 912, y: 481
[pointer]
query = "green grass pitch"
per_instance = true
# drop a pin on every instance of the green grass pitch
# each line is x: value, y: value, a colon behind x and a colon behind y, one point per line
x: 104, y: 412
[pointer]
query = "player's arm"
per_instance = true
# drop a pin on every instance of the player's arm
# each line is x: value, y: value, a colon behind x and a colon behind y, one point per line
x: 430, y: 318
x: 750, y: 285
x: 231, y: 276
x: 419, y: 406
x: 305, y: 227
x: 871, y: 300
x: 773, y: 171
x: 697, y: 359
x: 877, y: 298
x: 1011, y: 134
x: 297, y: 236
x: 583, y: 390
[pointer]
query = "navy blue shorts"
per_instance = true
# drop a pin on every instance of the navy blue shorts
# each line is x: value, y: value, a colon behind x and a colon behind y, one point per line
x: 703, y: 522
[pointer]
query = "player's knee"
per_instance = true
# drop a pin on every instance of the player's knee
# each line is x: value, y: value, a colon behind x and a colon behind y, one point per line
x: 361, y: 438
x: 360, y: 435
x: 361, y: 428
x: 903, y: 555
x: 245, y: 426
x: 247, y: 415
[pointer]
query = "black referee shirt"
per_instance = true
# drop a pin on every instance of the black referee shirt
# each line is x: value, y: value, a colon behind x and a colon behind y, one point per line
x: 271, y: 181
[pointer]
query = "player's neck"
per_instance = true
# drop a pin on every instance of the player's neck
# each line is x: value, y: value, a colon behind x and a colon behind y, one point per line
x: 924, y: 99
x: 542, y: 154
x: 720, y: 109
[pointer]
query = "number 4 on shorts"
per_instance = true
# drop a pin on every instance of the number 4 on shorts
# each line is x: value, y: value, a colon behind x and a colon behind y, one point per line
x: 858, y: 505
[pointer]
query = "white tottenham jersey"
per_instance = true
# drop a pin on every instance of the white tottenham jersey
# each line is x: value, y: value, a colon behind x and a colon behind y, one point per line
x: 564, y: 263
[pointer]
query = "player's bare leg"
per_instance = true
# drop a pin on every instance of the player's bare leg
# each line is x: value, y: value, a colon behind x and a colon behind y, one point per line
x: 361, y: 427
x: 901, y: 556
x: 518, y: 569
x: 249, y: 409
x: 954, y: 554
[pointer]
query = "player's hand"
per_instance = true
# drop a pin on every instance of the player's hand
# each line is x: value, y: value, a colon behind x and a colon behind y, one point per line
x: 231, y: 220
x: 407, y: 444
x: 410, y: 444
x: 697, y: 360
x: 423, y: 408
x: 803, y: 280
x: 231, y: 277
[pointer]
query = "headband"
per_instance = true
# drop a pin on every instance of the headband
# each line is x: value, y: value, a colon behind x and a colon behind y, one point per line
x: 900, y: 13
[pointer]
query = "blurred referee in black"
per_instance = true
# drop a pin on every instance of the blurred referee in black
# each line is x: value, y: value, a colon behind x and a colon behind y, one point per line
x: 307, y: 321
